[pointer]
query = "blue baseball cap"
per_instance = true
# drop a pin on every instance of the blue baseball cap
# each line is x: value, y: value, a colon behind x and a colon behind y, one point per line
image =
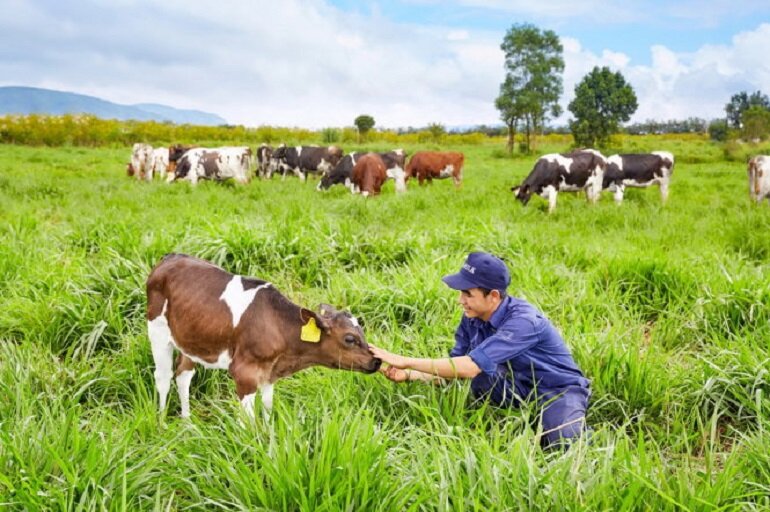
x: 480, y: 270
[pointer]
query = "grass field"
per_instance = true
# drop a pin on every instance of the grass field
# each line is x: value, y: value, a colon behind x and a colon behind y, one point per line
x: 666, y: 309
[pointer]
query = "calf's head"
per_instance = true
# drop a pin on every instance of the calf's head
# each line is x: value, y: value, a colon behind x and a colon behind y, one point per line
x: 522, y: 192
x: 341, y: 343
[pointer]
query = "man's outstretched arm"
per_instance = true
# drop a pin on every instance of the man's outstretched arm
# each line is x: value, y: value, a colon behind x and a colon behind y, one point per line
x: 460, y: 367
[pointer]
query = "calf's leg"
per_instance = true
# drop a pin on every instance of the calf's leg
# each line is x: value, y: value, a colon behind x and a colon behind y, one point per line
x: 163, y: 355
x: 248, y: 379
x: 185, y: 370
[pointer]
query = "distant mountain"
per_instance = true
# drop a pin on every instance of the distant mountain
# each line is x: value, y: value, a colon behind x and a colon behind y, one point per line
x: 32, y: 100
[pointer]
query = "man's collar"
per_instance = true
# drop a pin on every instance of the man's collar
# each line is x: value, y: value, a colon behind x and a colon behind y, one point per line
x: 499, y: 315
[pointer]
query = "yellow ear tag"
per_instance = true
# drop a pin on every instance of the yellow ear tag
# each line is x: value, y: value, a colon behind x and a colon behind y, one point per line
x: 310, y: 332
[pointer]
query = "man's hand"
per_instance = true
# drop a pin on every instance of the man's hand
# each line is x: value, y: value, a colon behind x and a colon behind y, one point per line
x: 392, y: 359
x: 395, y: 374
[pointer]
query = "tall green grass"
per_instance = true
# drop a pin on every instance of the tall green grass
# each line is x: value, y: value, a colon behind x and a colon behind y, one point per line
x: 666, y: 308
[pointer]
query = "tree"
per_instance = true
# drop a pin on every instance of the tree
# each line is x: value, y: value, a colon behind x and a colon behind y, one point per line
x: 741, y: 102
x: 602, y: 101
x: 532, y: 85
x: 511, y: 109
x: 364, y: 123
x: 718, y: 130
x: 437, y: 132
x: 756, y: 123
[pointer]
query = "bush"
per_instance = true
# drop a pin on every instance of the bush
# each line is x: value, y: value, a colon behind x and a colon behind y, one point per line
x: 718, y: 130
x: 330, y: 135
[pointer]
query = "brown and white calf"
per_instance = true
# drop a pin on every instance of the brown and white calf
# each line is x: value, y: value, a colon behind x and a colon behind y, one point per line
x: 243, y: 325
x: 759, y: 178
x: 369, y: 174
x: 427, y: 165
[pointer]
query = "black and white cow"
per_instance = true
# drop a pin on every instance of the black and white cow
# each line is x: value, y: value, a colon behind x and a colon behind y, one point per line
x: 264, y: 153
x: 638, y: 170
x: 215, y: 164
x: 302, y: 160
x: 395, y: 163
x: 342, y: 174
x: 566, y: 172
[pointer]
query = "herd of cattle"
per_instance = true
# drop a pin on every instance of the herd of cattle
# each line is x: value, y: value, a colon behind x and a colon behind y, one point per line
x: 580, y: 170
x: 363, y: 173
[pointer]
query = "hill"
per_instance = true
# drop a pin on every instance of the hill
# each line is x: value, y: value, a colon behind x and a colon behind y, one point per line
x: 33, y: 100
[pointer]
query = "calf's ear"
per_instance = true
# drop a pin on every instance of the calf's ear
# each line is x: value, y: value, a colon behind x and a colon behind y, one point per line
x: 307, y: 315
x: 326, y: 310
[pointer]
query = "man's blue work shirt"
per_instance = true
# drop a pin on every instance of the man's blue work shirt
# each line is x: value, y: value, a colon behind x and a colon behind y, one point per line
x: 519, y: 351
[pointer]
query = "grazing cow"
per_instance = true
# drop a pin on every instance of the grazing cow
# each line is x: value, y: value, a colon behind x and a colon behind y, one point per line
x: 638, y: 170
x: 141, y: 160
x: 426, y: 165
x: 369, y: 174
x: 159, y: 163
x: 394, y: 164
x: 264, y: 153
x: 343, y: 172
x: 759, y: 178
x: 175, y: 152
x: 244, y: 325
x: 302, y: 160
x: 566, y: 172
x: 217, y: 164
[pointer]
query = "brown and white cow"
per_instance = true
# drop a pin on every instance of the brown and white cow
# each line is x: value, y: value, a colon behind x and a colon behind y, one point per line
x: 141, y: 160
x: 759, y: 178
x: 302, y: 160
x: 638, y: 170
x: 566, y: 172
x: 215, y: 164
x: 369, y: 174
x: 175, y: 152
x: 343, y: 172
x: 243, y: 325
x: 158, y: 163
x: 427, y: 165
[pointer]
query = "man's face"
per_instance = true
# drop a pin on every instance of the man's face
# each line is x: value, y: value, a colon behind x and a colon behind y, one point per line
x: 476, y: 305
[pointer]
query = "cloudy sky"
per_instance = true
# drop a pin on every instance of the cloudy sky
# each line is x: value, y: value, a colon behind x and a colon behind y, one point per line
x: 319, y: 63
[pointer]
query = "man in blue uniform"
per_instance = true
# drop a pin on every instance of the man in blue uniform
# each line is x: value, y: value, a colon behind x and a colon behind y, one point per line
x: 510, y: 350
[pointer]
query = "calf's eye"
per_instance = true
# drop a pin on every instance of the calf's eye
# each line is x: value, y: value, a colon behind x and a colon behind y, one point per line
x: 351, y: 340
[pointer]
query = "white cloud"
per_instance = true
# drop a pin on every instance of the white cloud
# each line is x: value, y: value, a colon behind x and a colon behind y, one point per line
x: 457, y: 35
x: 681, y: 85
x: 305, y: 63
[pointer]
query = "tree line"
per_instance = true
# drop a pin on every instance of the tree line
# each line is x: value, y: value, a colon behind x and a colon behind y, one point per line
x: 89, y: 130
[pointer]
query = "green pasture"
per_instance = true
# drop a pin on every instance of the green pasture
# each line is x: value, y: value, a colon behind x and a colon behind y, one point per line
x: 666, y: 309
